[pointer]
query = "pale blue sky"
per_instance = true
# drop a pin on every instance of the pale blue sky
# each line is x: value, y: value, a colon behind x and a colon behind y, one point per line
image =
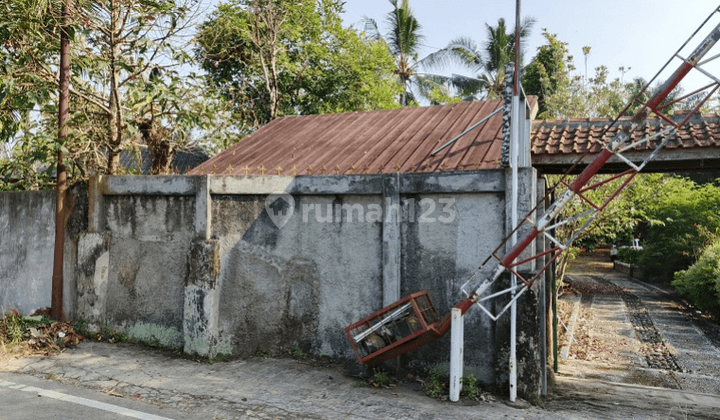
x: 640, y: 34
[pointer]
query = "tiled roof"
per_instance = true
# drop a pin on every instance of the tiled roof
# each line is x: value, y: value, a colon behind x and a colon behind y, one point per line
x: 577, y: 136
x: 399, y: 140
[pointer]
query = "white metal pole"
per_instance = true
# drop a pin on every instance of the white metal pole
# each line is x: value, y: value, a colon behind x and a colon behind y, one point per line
x: 514, y: 215
x: 456, y: 353
x: 515, y: 126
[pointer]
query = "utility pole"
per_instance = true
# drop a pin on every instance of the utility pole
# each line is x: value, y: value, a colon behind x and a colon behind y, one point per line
x: 56, y: 309
x: 515, y: 127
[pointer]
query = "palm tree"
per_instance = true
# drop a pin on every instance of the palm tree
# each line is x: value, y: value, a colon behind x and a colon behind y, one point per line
x: 487, y: 63
x: 635, y: 88
x: 404, y: 40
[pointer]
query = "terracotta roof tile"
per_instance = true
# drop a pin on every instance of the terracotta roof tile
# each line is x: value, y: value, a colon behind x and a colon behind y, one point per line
x: 577, y: 136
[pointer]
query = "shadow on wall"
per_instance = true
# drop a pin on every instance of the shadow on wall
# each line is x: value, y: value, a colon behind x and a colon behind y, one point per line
x: 296, y: 285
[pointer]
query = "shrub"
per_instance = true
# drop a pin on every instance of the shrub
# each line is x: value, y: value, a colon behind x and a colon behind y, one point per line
x: 701, y: 282
x: 629, y: 255
x: 682, y: 221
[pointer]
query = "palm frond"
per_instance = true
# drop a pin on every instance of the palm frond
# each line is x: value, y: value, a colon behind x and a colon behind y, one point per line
x: 525, y: 28
x: 497, y: 46
x: 371, y: 30
x: 404, y: 37
x: 461, y: 51
x: 466, y: 83
x: 438, y: 60
x: 430, y: 80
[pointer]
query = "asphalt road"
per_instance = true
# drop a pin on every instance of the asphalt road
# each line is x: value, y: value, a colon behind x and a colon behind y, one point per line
x: 25, y: 397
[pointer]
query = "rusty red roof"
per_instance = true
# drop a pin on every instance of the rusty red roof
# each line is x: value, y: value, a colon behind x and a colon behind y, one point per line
x: 577, y: 136
x: 399, y: 140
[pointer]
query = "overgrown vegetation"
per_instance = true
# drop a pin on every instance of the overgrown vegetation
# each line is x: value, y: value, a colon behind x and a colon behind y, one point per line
x: 682, y: 220
x: 701, y: 282
x: 297, y: 352
x: 435, y: 386
x: 380, y: 379
x: 678, y: 222
x: 470, y: 387
x: 35, y: 334
x: 629, y: 255
x: 617, y: 223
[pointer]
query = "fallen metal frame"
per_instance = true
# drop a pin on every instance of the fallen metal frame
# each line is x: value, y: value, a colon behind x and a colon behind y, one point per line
x: 620, y: 144
x: 496, y: 265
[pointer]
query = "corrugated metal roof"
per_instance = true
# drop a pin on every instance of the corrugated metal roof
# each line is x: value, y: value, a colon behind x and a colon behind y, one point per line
x: 577, y: 136
x: 399, y: 140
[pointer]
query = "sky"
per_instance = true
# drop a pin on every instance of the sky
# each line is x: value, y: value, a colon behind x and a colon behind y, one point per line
x: 641, y: 35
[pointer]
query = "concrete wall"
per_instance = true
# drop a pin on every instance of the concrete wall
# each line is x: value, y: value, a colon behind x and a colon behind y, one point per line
x: 300, y: 284
x: 27, y: 243
x: 202, y: 263
x: 440, y: 257
x: 27, y: 235
x: 150, y: 238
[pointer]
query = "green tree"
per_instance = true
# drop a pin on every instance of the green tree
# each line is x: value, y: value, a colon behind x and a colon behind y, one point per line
x: 28, y: 38
x: 282, y: 57
x: 29, y: 44
x: 611, y: 95
x: 616, y: 223
x: 701, y: 281
x: 636, y: 88
x: 548, y: 72
x: 404, y: 41
x: 125, y: 64
x: 125, y: 55
x: 563, y: 94
x: 682, y: 220
x: 487, y: 63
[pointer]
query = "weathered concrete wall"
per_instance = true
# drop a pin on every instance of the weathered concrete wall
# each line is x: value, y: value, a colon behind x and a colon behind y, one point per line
x: 144, y: 253
x: 214, y: 264
x: 203, y: 263
x: 27, y: 235
x: 27, y: 242
x: 301, y: 284
x: 439, y: 257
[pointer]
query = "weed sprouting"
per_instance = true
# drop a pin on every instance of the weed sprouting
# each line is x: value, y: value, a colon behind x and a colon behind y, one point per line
x: 380, y: 379
x: 297, y: 352
x: 469, y: 386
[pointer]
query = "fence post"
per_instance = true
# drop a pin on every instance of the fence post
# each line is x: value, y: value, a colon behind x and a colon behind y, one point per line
x: 456, y: 353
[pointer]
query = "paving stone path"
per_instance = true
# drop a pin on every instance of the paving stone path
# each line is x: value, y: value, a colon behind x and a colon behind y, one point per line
x: 641, y: 334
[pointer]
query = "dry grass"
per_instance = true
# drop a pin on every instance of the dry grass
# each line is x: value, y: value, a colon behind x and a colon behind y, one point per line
x: 564, y: 309
x: 34, y: 335
x: 597, y: 262
x: 10, y: 351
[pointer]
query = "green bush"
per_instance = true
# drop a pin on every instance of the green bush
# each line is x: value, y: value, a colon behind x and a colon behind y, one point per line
x: 701, y: 282
x: 682, y: 220
x: 628, y: 255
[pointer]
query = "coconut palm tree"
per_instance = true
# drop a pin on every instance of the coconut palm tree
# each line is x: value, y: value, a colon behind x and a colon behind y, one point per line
x: 487, y: 63
x: 404, y: 40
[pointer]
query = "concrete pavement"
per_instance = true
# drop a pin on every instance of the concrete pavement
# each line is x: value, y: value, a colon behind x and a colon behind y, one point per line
x: 644, y: 346
x: 260, y: 388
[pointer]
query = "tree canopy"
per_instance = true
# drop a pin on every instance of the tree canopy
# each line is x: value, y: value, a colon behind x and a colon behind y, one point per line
x: 125, y: 87
x: 488, y: 63
x: 280, y: 57
x: 565, y: 94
